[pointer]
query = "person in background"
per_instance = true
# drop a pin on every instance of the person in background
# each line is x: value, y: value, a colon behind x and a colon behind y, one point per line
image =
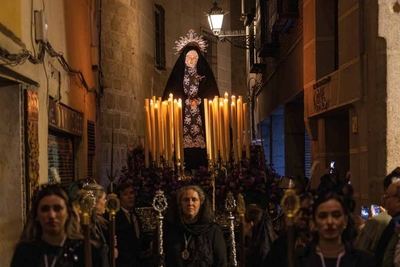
x: 50, y: 236
x: 277, y: 256
x: 378, y: 234
x: 332, y: 245
x: 259, y: 235
x: 127, y: 227
x: 99, y: 234
x: 192, y: 239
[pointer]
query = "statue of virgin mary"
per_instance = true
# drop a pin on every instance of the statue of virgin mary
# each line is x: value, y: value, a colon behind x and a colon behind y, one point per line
x: 192, y: 80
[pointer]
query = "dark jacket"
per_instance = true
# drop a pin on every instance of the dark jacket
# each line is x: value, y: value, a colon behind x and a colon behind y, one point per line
x: 351, y: 258
x: 31, y: 254
x: 205, y: 240
x: 100, y: 237
x: 206, y: 246
x: 128, y: 243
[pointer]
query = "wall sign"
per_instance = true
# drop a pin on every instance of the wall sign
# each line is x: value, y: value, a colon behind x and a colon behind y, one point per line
x: 64, y: 118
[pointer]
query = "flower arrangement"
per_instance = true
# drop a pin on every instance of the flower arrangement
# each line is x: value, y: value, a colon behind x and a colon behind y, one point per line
x: 253, y: 179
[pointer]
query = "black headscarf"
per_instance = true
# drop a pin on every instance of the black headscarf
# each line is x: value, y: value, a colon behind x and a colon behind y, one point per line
x: 204, y: 222
x: 208, y: 87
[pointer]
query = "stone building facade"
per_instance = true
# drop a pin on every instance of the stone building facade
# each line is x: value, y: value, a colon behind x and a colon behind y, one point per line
x: 341, y: 72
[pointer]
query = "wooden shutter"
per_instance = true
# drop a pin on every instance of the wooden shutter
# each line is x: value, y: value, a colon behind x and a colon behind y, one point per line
x: 91, y: 137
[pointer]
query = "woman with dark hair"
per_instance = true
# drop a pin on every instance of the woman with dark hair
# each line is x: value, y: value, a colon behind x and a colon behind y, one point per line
x: 332, y: 245
x: 50, y: 236
x: 192, y: 239
x: 192, y: 80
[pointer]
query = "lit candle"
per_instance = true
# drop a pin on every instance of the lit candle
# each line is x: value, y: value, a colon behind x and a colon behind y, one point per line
x: 206, y: 121
x: 153, y: 130
x: 210, y: 134
x: 157, y: 130
x: 221, y: 127
x: 234, y: 128
x: 171, y: 126
x: 160, y: 129
x: 215, y: 129
x: 226, y: 129
x: 164, y: 130
x: 176, y: 133
x: 246, y: 131
x: 147, y: 133
x: 240, y: 126
x: 180, y: 121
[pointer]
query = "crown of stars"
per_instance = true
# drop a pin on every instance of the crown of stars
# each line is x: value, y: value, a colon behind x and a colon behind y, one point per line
x: 191, y: 38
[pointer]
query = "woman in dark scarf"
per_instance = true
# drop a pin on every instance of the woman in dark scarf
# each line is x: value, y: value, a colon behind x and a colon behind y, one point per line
x: 192, y: 80
x: 192, y: 239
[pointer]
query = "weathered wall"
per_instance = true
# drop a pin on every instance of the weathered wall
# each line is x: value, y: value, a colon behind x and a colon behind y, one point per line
x: 75, y: 47
x: 16, y: 34
x: 389, y: 20
x: 11, y: 171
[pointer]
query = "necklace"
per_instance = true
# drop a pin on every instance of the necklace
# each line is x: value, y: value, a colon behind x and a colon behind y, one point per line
x: 54, y: 261
x: 185, y: 253
x: 321, y: 255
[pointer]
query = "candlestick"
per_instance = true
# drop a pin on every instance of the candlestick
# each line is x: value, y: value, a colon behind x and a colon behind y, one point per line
x: 147, y: 133
x: 153, y: 131
x: 246, y: 131
x: 240, y: 126
x: 234, y: 128
x: 207, y: 120
x: 180, y: 121
x: 215, y: 129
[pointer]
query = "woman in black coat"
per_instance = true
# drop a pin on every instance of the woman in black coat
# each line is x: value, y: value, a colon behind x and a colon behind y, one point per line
x: 192, y: 239
x: 51, y: 235
x: 332, y: 245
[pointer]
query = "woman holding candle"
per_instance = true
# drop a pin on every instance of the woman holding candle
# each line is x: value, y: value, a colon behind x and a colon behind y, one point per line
x: 192, y: 80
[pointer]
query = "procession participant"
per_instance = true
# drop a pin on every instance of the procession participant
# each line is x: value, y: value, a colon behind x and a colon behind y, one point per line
x: 332, y: 244
x: 50, y: 236
x: 127, y: 227
x: 192, y: 239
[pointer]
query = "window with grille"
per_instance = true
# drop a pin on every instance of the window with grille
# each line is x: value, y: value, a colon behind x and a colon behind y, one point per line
x: 61, y: 157
x: 91, y: 147
x: 159, y: 22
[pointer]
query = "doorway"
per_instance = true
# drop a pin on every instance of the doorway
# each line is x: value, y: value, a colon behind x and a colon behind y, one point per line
x: 337, y: 141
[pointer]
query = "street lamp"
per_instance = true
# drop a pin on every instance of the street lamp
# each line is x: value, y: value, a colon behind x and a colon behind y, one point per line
x: 215, y: 18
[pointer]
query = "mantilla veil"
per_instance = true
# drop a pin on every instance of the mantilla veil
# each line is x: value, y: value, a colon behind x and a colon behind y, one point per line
x: 188, y: 85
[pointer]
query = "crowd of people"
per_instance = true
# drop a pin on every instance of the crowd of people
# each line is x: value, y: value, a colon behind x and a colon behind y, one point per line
x: 326, y: 231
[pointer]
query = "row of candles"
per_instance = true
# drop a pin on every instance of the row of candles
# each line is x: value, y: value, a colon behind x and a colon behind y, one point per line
x: 164, y: 131
x: 226, y: 128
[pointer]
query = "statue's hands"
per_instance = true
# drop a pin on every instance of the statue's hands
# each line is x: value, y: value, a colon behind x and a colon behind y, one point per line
x: 194, y: 103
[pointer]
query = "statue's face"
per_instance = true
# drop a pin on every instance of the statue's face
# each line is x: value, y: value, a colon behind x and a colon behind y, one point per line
x: 191, y: 58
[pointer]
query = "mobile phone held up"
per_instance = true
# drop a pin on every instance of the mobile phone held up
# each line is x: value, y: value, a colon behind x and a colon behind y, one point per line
x: 365, y: 212
x: 375, y: 209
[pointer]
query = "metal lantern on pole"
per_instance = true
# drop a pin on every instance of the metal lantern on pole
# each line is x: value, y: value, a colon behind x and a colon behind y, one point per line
x: 215, y: 18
